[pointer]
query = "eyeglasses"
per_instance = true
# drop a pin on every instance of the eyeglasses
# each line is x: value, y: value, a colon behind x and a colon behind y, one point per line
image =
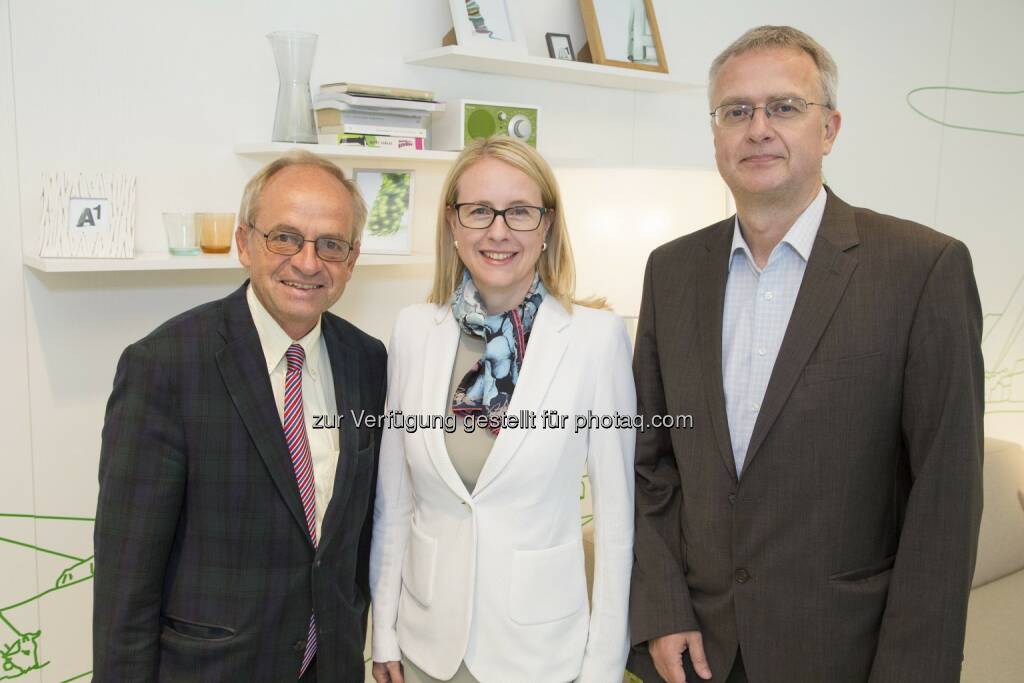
x: 731, y: 115
x: 289, y: 243
x: 518, y: 218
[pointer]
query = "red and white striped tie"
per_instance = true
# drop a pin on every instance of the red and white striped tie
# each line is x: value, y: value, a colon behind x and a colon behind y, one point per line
x: 302, y: 461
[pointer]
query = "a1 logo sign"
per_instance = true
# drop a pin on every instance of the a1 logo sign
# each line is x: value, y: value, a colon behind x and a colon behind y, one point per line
x: 88, y: 215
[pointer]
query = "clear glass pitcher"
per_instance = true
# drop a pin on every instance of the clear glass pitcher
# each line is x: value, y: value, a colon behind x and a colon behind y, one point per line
x: 293, y: 52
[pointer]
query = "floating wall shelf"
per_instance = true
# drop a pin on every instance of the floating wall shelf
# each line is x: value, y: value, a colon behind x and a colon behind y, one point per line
x: 548, y: 69
x: 165, y: 261
x: 273, y: 149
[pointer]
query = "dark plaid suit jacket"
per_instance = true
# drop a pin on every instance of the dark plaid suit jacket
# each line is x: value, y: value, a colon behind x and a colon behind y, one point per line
x: 844, y: 552
x: 204, y: 567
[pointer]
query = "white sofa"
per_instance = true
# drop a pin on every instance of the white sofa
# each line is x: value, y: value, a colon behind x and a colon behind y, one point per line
x: 994, y: 649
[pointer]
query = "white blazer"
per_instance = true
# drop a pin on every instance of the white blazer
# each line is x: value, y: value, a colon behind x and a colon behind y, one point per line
x: 496, y: 577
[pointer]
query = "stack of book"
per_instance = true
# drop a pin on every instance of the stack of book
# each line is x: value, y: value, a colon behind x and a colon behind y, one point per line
x: 374, y: 116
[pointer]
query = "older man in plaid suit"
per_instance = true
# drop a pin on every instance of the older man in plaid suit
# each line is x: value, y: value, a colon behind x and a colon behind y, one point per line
x: 232, y: 536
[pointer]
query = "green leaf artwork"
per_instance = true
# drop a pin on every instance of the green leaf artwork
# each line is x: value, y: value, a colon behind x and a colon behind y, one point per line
x: 390, y: 205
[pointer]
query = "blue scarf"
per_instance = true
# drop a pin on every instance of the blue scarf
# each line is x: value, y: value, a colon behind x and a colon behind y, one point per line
x: 487, y: 388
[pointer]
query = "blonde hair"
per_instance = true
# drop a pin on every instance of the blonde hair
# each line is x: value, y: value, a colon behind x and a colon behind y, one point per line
x: 767, y: 37
x: 250, y: 206
x: 556, y: 267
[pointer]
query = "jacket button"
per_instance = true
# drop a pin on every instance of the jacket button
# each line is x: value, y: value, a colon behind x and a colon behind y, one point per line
x: 299, y: 646
x: 742, y: 576
x: 316, y: 564
x: 732, y: 499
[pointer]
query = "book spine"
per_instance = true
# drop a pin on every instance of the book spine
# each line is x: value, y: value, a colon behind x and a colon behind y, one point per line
x: 380, y: 91
x: 378, y: 103
x: 399, y: 131
x: 373, y: 141
x: 327, y: 116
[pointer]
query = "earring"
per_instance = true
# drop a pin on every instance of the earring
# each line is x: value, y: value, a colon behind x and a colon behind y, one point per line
x: 456, y: 243
x: 544, y: 247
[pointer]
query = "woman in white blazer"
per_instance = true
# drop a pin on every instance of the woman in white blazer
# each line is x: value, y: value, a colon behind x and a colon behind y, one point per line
x: 476, y: 568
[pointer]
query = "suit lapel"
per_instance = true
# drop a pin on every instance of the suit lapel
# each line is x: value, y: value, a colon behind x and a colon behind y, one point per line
x: 438, y: 360
x: 711, y: 278
x: 825, y: 278
x: 548, y: 340
x: 244, y: 371
x: 348, y: 400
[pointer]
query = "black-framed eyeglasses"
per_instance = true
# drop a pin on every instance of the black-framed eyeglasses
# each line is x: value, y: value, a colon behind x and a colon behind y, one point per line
x: 288, y: 243
x: 481, y: 216
x: 730, y: 115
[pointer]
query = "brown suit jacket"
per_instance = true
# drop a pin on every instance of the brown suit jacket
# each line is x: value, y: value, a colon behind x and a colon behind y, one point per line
x: 846, y: 549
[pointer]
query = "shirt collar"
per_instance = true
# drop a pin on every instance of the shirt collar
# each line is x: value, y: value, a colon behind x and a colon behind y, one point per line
x: 275, y: 341
x: 800, y: 236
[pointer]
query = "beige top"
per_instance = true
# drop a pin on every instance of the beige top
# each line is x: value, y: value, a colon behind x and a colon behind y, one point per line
x: 467, y: 450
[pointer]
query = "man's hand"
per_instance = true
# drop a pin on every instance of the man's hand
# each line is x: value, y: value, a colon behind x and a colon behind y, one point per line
x: 667, y: 653
x: 388, y: 672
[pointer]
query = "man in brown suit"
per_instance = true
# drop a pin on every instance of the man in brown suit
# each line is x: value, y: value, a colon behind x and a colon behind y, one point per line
x: 819, y: 521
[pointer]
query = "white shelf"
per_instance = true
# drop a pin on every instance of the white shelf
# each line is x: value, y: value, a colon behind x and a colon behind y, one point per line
x: 546, y: 68
x: 166, y: 261
x: 272, y: 149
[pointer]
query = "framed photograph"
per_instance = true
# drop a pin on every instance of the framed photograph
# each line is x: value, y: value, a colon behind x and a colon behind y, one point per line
x: 88, y: 215
x: 623, y: 33
x: 388, y: 195
x: 489, y: 25
x: 560, y: 46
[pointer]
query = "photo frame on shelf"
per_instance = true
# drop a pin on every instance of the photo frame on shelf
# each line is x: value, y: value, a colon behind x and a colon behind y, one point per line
x: 489, y: 26
x: 88, y: 215
x: 623, y: 33
x: 388, y: 194
x: 560, y: 46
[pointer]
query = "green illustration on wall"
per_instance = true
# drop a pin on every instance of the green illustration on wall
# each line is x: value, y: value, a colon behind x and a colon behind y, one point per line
x: 990, y: 112
x: 25, y: 649
x: 989, y: 105
x: 1002, y: 345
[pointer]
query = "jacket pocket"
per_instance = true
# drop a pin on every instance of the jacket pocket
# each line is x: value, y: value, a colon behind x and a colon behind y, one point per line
x: 196, y: 630
x: 843, y: 368
x: 547, y: 585
x: 419, y: 565
x: 866, y: 573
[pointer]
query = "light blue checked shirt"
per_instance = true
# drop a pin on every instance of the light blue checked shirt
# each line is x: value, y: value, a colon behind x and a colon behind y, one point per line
x: 758, y: 304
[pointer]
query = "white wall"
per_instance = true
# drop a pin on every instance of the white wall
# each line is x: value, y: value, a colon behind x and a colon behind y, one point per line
x: 163, y: 90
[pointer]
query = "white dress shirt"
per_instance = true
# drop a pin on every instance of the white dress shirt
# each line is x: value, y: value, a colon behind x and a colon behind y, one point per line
x: 758, y: 304
x: 317, y: 395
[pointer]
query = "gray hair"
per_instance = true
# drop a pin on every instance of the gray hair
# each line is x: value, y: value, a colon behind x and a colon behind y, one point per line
x: 254, y: 188
x: 767, y: 37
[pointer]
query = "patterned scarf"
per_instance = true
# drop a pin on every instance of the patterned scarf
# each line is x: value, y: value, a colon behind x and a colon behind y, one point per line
x: 487, y: 388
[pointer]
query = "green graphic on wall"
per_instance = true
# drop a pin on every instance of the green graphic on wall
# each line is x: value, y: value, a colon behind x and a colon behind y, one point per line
x: 63, y: 575
x: 988, y: 109
x: 990, y: 112
x: 1003, y: 348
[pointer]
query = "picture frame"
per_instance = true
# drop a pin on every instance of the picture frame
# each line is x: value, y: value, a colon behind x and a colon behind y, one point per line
x: 389, y: 205
x: 623, y: 33
x: 88, y: 215
x: 489, y: 26
x: 560, y: 46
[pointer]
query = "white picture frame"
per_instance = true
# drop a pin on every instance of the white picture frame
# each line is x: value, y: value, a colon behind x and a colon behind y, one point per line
x: 389, y: 209
x: 494, y: 26
x: 88, y: 215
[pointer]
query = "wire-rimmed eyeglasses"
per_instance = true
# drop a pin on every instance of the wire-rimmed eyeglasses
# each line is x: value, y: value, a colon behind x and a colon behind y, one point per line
x: 288, y: 243
x: 729, y: 115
